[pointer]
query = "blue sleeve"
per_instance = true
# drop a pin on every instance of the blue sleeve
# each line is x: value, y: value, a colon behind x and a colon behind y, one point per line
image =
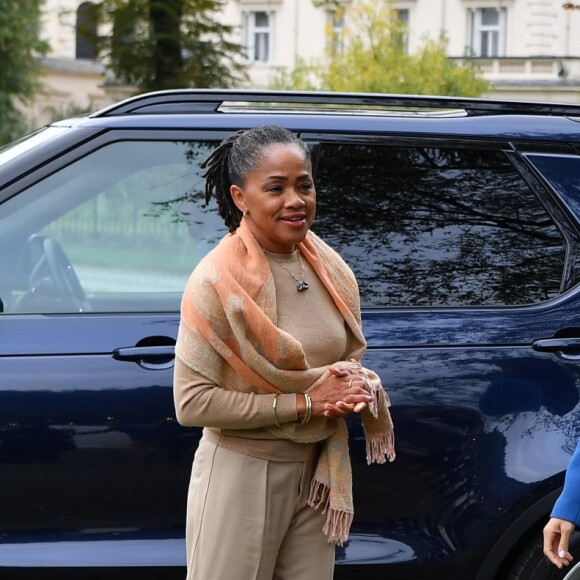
x: 567, y: 507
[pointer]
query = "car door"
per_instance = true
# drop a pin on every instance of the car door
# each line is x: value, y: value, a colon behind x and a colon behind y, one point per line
x: 96, y: 248
x: 466, y: 262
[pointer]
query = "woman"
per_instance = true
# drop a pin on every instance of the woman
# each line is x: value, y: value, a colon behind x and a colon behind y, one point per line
x: 565, y: 516
x: 267, y: 362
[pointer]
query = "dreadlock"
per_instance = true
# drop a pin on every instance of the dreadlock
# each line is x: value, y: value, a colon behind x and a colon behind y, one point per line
x: 237, y: 155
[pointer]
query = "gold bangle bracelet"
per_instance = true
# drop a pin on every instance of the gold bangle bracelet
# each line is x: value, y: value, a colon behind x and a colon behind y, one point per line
x: 308, y: 413
x: 274, y: 410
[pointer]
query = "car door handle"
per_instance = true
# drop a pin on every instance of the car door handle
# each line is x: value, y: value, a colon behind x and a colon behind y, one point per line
x: 568, y: 347
x: 153, y: 357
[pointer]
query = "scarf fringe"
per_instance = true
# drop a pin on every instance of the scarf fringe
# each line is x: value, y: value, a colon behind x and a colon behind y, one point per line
x: 338, y: 522
x: 337, y: 526
x: 380, y: 448
x: 380, y: 396
x: 319, y: 496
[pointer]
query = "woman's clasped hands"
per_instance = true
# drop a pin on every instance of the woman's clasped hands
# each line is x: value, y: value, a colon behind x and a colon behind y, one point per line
x: 346, y: 390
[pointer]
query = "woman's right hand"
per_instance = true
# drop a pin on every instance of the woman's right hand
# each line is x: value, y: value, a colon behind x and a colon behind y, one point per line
x: 341, y: 393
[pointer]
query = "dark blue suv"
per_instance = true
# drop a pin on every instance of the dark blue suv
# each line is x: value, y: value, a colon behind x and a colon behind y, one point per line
x: 461, y: 220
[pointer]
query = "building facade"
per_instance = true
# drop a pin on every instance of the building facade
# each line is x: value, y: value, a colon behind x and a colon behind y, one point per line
x: 528, y: 49
x: 72, y: 79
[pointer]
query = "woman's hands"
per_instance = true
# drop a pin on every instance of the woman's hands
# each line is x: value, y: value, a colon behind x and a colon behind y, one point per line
x: 557, y: 534
x: 344, y: 392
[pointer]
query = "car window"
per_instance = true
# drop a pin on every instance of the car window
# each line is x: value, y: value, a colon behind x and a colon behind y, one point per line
x: 118, y: 230
x: 561, y: 171
x: 437, y: 226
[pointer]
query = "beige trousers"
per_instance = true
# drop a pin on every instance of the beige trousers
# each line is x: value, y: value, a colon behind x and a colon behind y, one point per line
x: 247, y: 519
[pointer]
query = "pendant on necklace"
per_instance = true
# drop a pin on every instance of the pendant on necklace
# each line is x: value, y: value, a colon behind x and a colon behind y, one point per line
x: 302, y: 286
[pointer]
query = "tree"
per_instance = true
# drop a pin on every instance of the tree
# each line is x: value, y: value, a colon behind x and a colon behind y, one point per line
x: 166, y: 44
x: 370, y: 56
x: 19, y: 69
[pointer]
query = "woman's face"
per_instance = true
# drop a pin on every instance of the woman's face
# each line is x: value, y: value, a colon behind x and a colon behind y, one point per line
x: 279, y: 198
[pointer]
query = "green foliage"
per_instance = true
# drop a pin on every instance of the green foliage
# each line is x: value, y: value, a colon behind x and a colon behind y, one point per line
x: 166, y: 44
x: 371, y: 57
x: 304, y: 76
x: 19, y: 68
x: 70, y: 110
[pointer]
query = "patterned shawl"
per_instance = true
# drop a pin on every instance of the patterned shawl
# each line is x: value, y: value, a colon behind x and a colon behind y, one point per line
x: 228, y: 334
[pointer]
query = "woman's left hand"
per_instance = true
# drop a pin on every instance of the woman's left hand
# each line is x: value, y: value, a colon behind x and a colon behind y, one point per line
x: 345, y: 406
x: 557, y: 534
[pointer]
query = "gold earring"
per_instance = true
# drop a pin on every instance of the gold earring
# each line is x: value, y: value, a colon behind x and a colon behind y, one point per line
x: 245, y: 214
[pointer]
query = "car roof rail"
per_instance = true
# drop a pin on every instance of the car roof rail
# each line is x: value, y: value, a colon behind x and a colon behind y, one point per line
x: 199, y: 101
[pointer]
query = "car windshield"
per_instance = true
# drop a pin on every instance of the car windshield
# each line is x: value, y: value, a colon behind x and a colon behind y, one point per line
x: 13, y: 150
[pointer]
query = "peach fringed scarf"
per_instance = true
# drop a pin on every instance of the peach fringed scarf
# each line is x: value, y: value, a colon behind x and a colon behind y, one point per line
x: 228, y: 333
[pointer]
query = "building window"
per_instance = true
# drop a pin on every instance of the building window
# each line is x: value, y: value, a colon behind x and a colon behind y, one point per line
x: 335, y: 30
x: 86, y: 31
x: 259, y: 36
x: 403, y: 16
x: 488, y: 31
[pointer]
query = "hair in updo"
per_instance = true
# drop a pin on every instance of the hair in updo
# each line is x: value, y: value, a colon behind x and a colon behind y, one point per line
x: 237, y: 155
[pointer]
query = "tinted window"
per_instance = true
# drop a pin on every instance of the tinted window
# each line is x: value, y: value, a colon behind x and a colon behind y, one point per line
x: 437, y: 226
x: 561, y: 171
x: 111, y: 232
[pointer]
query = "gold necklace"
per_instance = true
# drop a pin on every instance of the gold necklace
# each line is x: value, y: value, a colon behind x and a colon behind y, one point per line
x: 302, y: 283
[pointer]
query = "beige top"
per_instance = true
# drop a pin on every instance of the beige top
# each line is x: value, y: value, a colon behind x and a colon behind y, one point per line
x: 236, y: 420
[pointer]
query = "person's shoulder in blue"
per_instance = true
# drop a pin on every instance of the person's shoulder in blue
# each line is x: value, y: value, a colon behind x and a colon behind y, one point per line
x: 565, y: 516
